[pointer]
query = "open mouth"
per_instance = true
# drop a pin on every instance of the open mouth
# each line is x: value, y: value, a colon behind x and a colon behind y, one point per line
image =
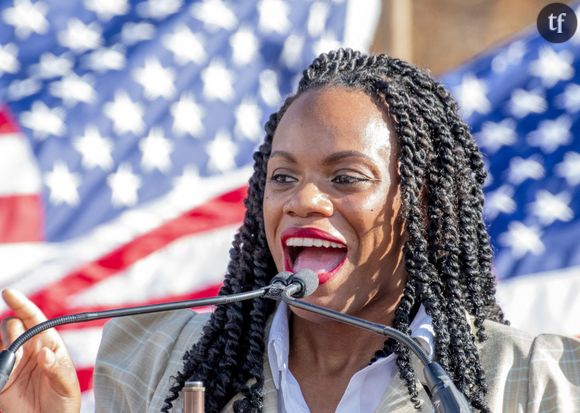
x: 322, y: 256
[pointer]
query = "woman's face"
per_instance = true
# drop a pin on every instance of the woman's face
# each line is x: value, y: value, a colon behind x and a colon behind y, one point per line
x: 332, y: 199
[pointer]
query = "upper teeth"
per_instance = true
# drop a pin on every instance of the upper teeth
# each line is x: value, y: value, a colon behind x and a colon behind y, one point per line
x: 312, y: 242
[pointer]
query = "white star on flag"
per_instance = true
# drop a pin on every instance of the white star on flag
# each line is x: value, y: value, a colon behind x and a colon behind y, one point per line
x: 269, y: 90
x: 26, y: 18
x: 51, y: 65
x: 94, y: 149
x: 248, y: 116
x: 8, y: 61
x: 157, y: 81
x: 471, y: 96
x: 551, y: 134
x: 569, y: 168
x: 494, y: 135
x: 158, y: 9
x: 273, y: 16
x: 222, y: 152
x: 570, y: 99
x: 522, y: 240
x: 124, y: 185
x: 244, y: 45
x: 186, y: 46
x: 80, y: 37
x: 500, y: 201
x: 317, y: 18
x: 512, y: 56
x: 63, y: 185
x: 73, y: 89
x: 133, y: 32
x: 187, y: 116
x: 217, y: 82
x: 106, y: 59
x: 524, y: 102
x: 107, y: 9
x: 182, y: 193
x: 552, y: 67
x: 215, y: 14
x: 550, y: 208
x: 521, y: 169
x: 44, y: 121
x: 156, y: 151
x: 126, y: 115
x: 19, y: 89
x: 292, y: 50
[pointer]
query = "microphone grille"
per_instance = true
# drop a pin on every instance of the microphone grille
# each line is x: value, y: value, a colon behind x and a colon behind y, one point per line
x: 309, y: 280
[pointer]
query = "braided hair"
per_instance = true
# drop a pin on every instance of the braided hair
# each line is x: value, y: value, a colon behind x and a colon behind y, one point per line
x: 447, y: 254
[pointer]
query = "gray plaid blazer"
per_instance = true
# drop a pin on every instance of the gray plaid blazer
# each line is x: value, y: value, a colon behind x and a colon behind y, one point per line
x: 138, y: 355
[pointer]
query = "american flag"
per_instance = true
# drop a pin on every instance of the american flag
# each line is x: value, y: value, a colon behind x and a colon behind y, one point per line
x: 522, y: 102
x: 126, y: 133
x: 126, y: 137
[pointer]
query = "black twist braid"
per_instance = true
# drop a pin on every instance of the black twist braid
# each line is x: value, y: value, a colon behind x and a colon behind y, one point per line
x: 447, y: 254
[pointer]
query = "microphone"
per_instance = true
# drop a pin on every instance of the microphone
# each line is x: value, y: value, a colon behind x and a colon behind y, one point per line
x: 445, y: 397
x: 8, y: 356
x: 298, y: 285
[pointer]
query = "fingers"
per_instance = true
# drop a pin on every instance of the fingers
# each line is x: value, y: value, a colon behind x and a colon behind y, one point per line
x: 60, y: 371
x: 10, y: 329
x: 23, y: 308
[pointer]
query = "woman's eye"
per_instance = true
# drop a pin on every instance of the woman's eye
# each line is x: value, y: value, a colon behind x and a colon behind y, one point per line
x: 282, y: 179
x: 348, y: 179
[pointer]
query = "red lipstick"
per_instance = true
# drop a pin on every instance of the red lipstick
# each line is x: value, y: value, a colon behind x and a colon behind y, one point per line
x: 291, y: 256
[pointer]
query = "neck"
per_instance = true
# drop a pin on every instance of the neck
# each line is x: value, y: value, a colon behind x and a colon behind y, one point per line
x: 333, y: 346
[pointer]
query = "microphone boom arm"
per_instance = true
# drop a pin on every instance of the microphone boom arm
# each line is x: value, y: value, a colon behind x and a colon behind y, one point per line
x: 445, y: 397
x: 8, y: 358
x: 360, y: 323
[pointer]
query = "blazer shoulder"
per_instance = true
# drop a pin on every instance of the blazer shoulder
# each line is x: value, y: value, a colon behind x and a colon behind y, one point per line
x: 138, y: 356
x: 530, y: 373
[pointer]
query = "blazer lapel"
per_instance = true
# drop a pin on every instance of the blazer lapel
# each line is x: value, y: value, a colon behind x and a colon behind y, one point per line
x: 396, y: 397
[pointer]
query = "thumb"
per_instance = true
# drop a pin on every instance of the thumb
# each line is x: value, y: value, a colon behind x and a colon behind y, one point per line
x: 60, y: 372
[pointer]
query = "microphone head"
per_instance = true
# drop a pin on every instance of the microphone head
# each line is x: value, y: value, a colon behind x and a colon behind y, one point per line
x: 282, y: 277
x: 309, y: 281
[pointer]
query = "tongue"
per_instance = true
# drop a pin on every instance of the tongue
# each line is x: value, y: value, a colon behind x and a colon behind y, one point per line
x: 318, y: 259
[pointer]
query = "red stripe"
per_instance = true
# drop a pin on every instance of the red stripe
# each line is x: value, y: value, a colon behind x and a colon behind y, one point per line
x: 21, y: 218
x: 7, y: 123
x: 224, y: 210
x: 85, y: 376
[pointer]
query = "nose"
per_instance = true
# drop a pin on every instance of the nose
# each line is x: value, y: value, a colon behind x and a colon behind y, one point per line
x: 308, y: 200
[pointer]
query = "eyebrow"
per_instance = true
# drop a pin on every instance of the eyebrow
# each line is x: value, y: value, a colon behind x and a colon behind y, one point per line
x: 333, y: 158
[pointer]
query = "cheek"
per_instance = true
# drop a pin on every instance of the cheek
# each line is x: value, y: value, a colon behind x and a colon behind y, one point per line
x: 271, y: 222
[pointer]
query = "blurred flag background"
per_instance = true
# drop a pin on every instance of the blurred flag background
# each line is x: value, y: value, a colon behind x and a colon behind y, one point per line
x: 127, y: 129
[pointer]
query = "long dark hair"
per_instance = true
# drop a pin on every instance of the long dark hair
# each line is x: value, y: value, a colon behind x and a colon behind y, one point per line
x: 447, y: 254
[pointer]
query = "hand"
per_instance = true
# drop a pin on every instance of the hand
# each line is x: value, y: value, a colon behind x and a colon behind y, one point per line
x: 44, y: 378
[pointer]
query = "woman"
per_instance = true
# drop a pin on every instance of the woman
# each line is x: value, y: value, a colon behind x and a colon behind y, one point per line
x: 368, y: 177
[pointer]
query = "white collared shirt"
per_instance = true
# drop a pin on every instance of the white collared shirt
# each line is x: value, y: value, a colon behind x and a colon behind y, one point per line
x: 366, y: 387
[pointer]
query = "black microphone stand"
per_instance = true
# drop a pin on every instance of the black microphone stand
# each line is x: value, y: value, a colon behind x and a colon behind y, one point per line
x: 8, y: 356
x: 444, y: 395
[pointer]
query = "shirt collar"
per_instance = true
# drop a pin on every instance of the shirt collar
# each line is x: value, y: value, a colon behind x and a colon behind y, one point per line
x: 279, y: 338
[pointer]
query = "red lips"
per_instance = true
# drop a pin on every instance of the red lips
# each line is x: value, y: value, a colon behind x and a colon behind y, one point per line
x: 318, y: 258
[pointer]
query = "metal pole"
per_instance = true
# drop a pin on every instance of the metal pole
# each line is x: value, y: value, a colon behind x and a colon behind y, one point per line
x: 193, y: 397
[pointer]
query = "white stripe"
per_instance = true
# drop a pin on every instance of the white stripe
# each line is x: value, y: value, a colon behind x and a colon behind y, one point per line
x: 186, y: 265
x: 83, y: 345
x: 543, y: 303
x: 88, y: 402
x: 19, y: 174
x: 30, y: 267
